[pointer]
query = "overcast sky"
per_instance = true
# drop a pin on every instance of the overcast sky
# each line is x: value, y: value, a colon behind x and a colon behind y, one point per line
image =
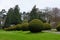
x: 26, y: 5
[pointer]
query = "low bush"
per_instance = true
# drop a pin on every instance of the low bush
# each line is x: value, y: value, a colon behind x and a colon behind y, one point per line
x: 36, y: 25
x: 46, y: 26
x: 18, y: 27
x: 24, y: 26
x: 10, y: 28
x: 58, y: 27
x: 13, y: 28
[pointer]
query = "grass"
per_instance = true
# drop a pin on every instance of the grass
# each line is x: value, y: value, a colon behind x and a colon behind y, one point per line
x: 20, y: 35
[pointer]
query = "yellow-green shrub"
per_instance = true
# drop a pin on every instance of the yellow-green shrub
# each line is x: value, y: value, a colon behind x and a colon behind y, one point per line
x: 24, y: 26
x: 18, y: 27
x: 10, y: 28
x: 46, y: 26
x: 15, y: 27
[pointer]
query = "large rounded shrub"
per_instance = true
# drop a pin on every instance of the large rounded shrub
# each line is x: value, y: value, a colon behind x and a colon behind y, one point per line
x: 46, y: 26
x: 58, y: 27
x: 36, y: 25
x: 24, y: 26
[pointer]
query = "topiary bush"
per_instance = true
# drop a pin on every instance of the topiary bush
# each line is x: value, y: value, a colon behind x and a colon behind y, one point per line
x: 36, y: 25
x: 24, y: 26
x: 58, y: 27
x: 46, y: 26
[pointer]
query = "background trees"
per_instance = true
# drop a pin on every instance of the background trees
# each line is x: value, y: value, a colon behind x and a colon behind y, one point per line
x: 14, y: 16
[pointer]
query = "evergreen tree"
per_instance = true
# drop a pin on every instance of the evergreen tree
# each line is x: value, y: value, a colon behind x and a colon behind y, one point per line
x: 13, y: 17
x: 9, y: 17
x: 17, y: 15
x: 34, y: 14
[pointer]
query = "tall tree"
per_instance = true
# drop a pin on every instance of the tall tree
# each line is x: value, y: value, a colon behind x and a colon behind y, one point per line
x: 9, y: 17
x: 17, y: 15
x: 13, y: 17
x: 33, y: 13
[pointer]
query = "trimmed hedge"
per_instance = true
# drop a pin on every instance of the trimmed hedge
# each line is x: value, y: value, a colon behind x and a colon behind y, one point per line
x: 46, y: 26
x: 36, y: 25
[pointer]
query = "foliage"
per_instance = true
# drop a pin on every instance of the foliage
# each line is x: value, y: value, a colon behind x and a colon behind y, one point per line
x: 36, y: 25
x: 46, y: 26
x: 9, y: 18
x: 18, y: 27
x: 24, y: 26
x: 17, y: 15
x: 13, y: 17
x: 25, y: 21
x: 34, y: 14
x: 13, y: 28
x: 42, y: 16
x: 10, y: 28
x: 58, y: 27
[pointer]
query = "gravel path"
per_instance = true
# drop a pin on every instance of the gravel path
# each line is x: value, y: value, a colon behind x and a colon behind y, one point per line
x: 52, y: 32
x: 56, y: 32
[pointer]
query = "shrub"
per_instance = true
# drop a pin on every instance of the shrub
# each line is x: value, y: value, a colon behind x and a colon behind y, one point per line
x: 46, y: 26
x: 24, y: 26
x: 36, y: 25
x: 18, y: 27
x: 58, y: 27
x: 6, y: 29
x: 13, y: 28
x: 10, y: 28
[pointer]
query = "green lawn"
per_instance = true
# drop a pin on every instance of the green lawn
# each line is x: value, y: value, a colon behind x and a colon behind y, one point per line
x: 19, y: 35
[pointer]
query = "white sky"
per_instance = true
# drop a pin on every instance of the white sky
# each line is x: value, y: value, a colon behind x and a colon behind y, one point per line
x: 26, y: 5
